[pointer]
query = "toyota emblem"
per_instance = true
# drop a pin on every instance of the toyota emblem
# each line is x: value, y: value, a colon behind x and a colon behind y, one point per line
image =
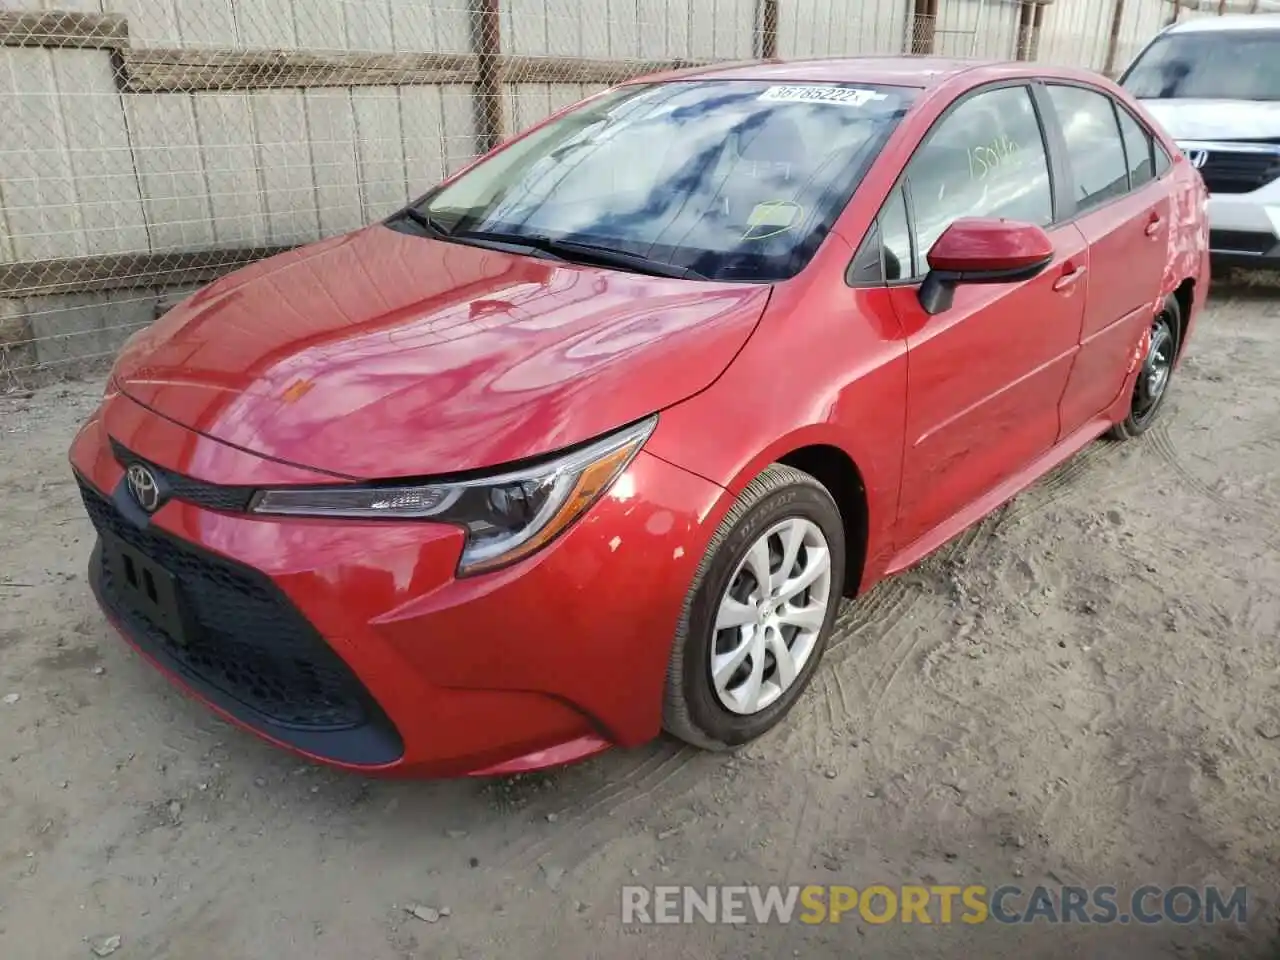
x: 1198, y: 158
x: 144, y: 487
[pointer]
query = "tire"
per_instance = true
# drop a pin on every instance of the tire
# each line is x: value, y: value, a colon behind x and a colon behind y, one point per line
x: 1166, y: 337
x: 782, y: 505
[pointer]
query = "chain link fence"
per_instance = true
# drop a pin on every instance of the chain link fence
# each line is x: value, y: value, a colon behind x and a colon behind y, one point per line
x: 150, y: 146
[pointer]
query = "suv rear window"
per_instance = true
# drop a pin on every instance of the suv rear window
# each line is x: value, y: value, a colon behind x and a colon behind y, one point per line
x: 1210, y: 65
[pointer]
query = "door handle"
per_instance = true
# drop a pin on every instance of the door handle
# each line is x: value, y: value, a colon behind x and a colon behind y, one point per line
x: 1153, y: 228
x: 1069, y: 280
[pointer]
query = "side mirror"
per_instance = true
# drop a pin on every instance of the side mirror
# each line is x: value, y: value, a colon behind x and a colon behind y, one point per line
x: 982, y: 250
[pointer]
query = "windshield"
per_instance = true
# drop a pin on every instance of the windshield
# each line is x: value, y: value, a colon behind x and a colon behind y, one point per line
x: 731, y: 180
x: 1226, y: 65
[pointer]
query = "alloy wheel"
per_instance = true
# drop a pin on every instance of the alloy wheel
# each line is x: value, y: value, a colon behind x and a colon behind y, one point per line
x: 1157, y: 367
x: 770, y: 616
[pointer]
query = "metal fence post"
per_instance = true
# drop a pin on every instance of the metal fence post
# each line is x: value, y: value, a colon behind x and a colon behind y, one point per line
x: 769, y: 30
x: 1022, y: 49
x: 486, y: 42
x: 924, y: 22
x: 1113, y: 40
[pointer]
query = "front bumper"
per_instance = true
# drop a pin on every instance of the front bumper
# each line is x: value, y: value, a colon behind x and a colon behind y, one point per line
x: 1244, y: 229
x: 353, y: 643
x: 1243, y: 180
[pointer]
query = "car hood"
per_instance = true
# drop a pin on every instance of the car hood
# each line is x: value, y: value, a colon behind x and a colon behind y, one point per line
x: 384, y: 354
x: 1217, y: 119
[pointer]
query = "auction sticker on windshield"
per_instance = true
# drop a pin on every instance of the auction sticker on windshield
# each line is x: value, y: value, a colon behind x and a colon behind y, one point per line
x: 843, y: 95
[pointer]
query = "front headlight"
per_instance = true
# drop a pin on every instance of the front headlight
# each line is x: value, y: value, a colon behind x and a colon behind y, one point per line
x: 506, y: 516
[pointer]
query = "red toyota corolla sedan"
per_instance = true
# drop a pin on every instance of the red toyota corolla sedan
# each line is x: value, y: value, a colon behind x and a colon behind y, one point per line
x: 591, y: 440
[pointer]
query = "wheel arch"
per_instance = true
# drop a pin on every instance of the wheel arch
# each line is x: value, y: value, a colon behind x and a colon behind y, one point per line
x: 861, y: 477
x: 1184, y: 295
x: 835, y: 469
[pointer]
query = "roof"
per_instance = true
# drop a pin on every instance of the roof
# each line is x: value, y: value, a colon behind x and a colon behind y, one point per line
x: 1239, y: 21
x: 888, y: 70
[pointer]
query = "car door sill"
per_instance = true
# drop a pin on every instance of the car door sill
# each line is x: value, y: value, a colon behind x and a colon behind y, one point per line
x: 993, y: 498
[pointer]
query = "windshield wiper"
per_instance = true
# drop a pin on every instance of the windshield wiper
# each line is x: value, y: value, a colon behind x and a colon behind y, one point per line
x: 588, y: 252
x: 427, y: 222
x: 548, y: 246
x: 489, y: 241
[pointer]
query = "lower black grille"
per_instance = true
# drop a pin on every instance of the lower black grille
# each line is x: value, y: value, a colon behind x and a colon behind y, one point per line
x: 245, y: 638
x: 1228, y: 172
x: 1241, y: 241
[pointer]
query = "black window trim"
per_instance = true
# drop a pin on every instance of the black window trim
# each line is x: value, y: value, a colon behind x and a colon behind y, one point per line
x: 1047, y: 124
x: 909, y: 203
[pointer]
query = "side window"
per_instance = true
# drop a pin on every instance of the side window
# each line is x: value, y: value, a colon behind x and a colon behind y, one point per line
x: 1094, y: 145
x: 867, y: 267
x: 895, y: 238
x: 885, y: 252
x: 1138, y: 148
x: 984, y: 159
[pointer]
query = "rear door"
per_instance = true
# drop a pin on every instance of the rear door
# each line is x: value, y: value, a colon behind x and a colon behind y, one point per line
x: 986, y: 376
x: 1123, y: 211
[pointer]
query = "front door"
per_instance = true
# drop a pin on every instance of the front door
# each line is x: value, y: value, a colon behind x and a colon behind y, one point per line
x: 985, y: 377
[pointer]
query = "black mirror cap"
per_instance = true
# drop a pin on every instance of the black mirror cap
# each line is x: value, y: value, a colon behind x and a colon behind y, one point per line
x: 937, y: 292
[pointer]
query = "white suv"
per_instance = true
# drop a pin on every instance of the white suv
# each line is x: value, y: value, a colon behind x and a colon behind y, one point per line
x: 1214, y: 83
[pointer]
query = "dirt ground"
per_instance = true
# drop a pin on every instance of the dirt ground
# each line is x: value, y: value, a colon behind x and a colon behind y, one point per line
x: 1085, y: 689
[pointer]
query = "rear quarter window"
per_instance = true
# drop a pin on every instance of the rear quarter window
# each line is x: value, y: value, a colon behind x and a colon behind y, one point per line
x: 1162, y: 159
x: 1139, y: 149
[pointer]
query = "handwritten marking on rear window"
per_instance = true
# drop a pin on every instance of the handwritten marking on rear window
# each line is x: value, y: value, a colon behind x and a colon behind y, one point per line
x: 844, y: 96
x: 986, y: 158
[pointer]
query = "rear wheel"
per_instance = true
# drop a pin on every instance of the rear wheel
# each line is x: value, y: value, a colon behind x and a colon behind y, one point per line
x: 759, y: 612
x: 1157, y: 369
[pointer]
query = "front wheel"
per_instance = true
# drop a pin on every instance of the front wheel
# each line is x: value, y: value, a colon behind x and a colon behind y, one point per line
x: 1157, y: 369
x: 759, y: 612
